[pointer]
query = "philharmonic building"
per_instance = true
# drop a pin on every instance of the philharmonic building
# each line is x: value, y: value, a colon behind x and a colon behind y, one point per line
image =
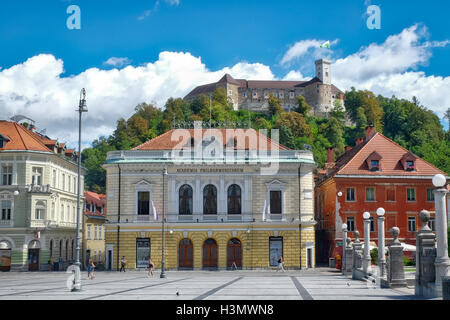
x: 230, y: 199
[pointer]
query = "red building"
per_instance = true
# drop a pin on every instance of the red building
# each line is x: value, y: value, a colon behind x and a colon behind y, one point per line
x: 375, y: 173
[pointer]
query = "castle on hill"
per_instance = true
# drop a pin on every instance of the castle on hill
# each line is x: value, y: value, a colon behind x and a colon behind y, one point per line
x: 253, y: 95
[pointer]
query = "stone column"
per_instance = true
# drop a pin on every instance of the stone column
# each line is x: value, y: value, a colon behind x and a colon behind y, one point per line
x: 442, y: 262
x: 348, y: 257
x: 356, y: 256
x: 396, y: 270
x: 425, y: 259
x: 366, y: 260
x: 381, y: 257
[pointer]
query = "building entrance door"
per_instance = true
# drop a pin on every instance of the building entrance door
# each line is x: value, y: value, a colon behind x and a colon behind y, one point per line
x: 185, y: 254
x: 5, y: 260
x: 109, y: 260
x: 275, y: 250
x: 210, y: 254
x: 33, y: 259
x: 234, y: 254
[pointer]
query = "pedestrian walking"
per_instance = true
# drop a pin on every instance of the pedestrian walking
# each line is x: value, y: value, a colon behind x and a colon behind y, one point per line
x: 91, y: 267
x: 150, y: 267
x: 60, y: 263
x: 280, y: 264
x: 123, y: 262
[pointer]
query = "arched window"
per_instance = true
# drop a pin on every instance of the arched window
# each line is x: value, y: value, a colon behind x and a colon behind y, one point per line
x: 210, y: 199
x: 234, y: 199
x: 60, y: 248
x: 67, y: 250
x: 185, y: 199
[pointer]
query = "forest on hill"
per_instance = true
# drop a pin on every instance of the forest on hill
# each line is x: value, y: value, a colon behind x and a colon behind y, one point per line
x: 408, y: 123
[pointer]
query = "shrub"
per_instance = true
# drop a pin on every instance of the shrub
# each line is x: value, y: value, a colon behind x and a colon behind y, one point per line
x: 374, y: 256
x: 407, y: 262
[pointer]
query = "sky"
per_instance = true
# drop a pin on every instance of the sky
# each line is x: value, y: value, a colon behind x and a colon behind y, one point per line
x: 133, y: 51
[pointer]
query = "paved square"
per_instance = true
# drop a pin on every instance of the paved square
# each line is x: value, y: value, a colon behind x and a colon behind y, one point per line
x: 318, y: 284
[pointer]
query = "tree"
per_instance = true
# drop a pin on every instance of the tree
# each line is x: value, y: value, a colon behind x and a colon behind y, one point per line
x: 295, y: 122
x: 371, y: 106
x: 447, y: 116
x: 302, y: 106
x: 338, y: 111
x: 275, y: 107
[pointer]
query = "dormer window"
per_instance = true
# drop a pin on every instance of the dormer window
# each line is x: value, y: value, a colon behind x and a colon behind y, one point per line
x: 375, y: 165
x: 409, y: 162
x: 374, y: 161
x: 3, y: 141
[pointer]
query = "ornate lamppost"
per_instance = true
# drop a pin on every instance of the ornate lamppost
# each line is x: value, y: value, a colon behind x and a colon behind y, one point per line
x: 163, y: 261
x: 344, y: 244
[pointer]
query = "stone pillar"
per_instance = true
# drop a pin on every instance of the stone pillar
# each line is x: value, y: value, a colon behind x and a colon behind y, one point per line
x: 357, y: 255
x: 344, y: 246
x: 348, y: 257
x: 367, y: 260
x: 425, y: 259
x: 381, y: 256
x: 396, y: 270
x: 442, y: 262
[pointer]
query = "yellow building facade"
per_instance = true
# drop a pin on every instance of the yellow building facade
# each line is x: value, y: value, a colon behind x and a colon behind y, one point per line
x: 244, y: 213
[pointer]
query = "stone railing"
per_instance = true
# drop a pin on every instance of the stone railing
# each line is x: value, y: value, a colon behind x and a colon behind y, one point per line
x: 33, y: 188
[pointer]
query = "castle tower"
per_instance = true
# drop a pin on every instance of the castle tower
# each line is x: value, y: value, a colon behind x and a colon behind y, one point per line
x: 323, y: 70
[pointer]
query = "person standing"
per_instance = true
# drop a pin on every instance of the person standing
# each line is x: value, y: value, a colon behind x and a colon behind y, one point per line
x: 122, y: 264
x: 60, y: 263
x: 91, y: 267
x: 150, y: 267
x: 280, y: 264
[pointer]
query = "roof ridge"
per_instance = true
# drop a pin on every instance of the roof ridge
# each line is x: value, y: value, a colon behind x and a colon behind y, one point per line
x: 32, y: 135
x: 357, y: 152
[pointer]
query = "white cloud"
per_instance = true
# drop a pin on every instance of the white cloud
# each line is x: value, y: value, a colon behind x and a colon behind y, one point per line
x: 117, y: 62
x: 390, y: 69
x: 306, y: 47
x: 295, y: 76
x: 37, y: 89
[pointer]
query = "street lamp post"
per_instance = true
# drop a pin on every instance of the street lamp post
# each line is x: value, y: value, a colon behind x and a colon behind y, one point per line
x: 381, y: 257
x: 163, y: 261
x: 77, y: 280
x: 366, y: 260
x: 442, y: 261
x: 344, y: 245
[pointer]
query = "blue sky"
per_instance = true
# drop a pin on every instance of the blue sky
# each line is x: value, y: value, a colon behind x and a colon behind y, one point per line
x: 224, y: 35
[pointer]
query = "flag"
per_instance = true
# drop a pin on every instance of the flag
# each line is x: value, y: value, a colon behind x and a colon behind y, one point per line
x: 326, y: 44
x: 155, y: 214
x: 264, y: 211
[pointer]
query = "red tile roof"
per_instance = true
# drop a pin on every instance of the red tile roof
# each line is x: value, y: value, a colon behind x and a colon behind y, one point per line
x: 164, y: 141
x: 99, y: 200
x: 21, y: 138
x: 353, y: 162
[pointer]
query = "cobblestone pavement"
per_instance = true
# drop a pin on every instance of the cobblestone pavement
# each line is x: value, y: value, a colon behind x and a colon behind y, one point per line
x: 318, y: 284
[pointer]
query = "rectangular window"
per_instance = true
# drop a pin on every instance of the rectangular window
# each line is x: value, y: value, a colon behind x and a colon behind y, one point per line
x: 95, y: 233
x: 144, y: 203
x: 350, y: 224
x: 350, y: 194
x: 291, y: 95
x: 5, y: 210
x: 390, y: 194
x: 411, y: 194
x: 89, y: 232
x: 411, y: 224
x: 375, y: 165
x: 372, y: 224
x: 281, y: 95
x: 255, y: 94
x: 62, y: 213
x: 275, y: 202
x: 39, y: 214
x: 53, y: 211
x: 430, y: 195
x: 63, y: 182
x: 6, y: 178
x: 244, y: 94
x: 36, y: 178
x: 142, y: 252
x: 370, y: 194
x: 275, y: 250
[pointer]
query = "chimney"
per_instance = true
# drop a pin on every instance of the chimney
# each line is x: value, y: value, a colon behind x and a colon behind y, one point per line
x: 348, y: 148
x: 330, y: 155
x: 370, y: 131
x: 359, y: 141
